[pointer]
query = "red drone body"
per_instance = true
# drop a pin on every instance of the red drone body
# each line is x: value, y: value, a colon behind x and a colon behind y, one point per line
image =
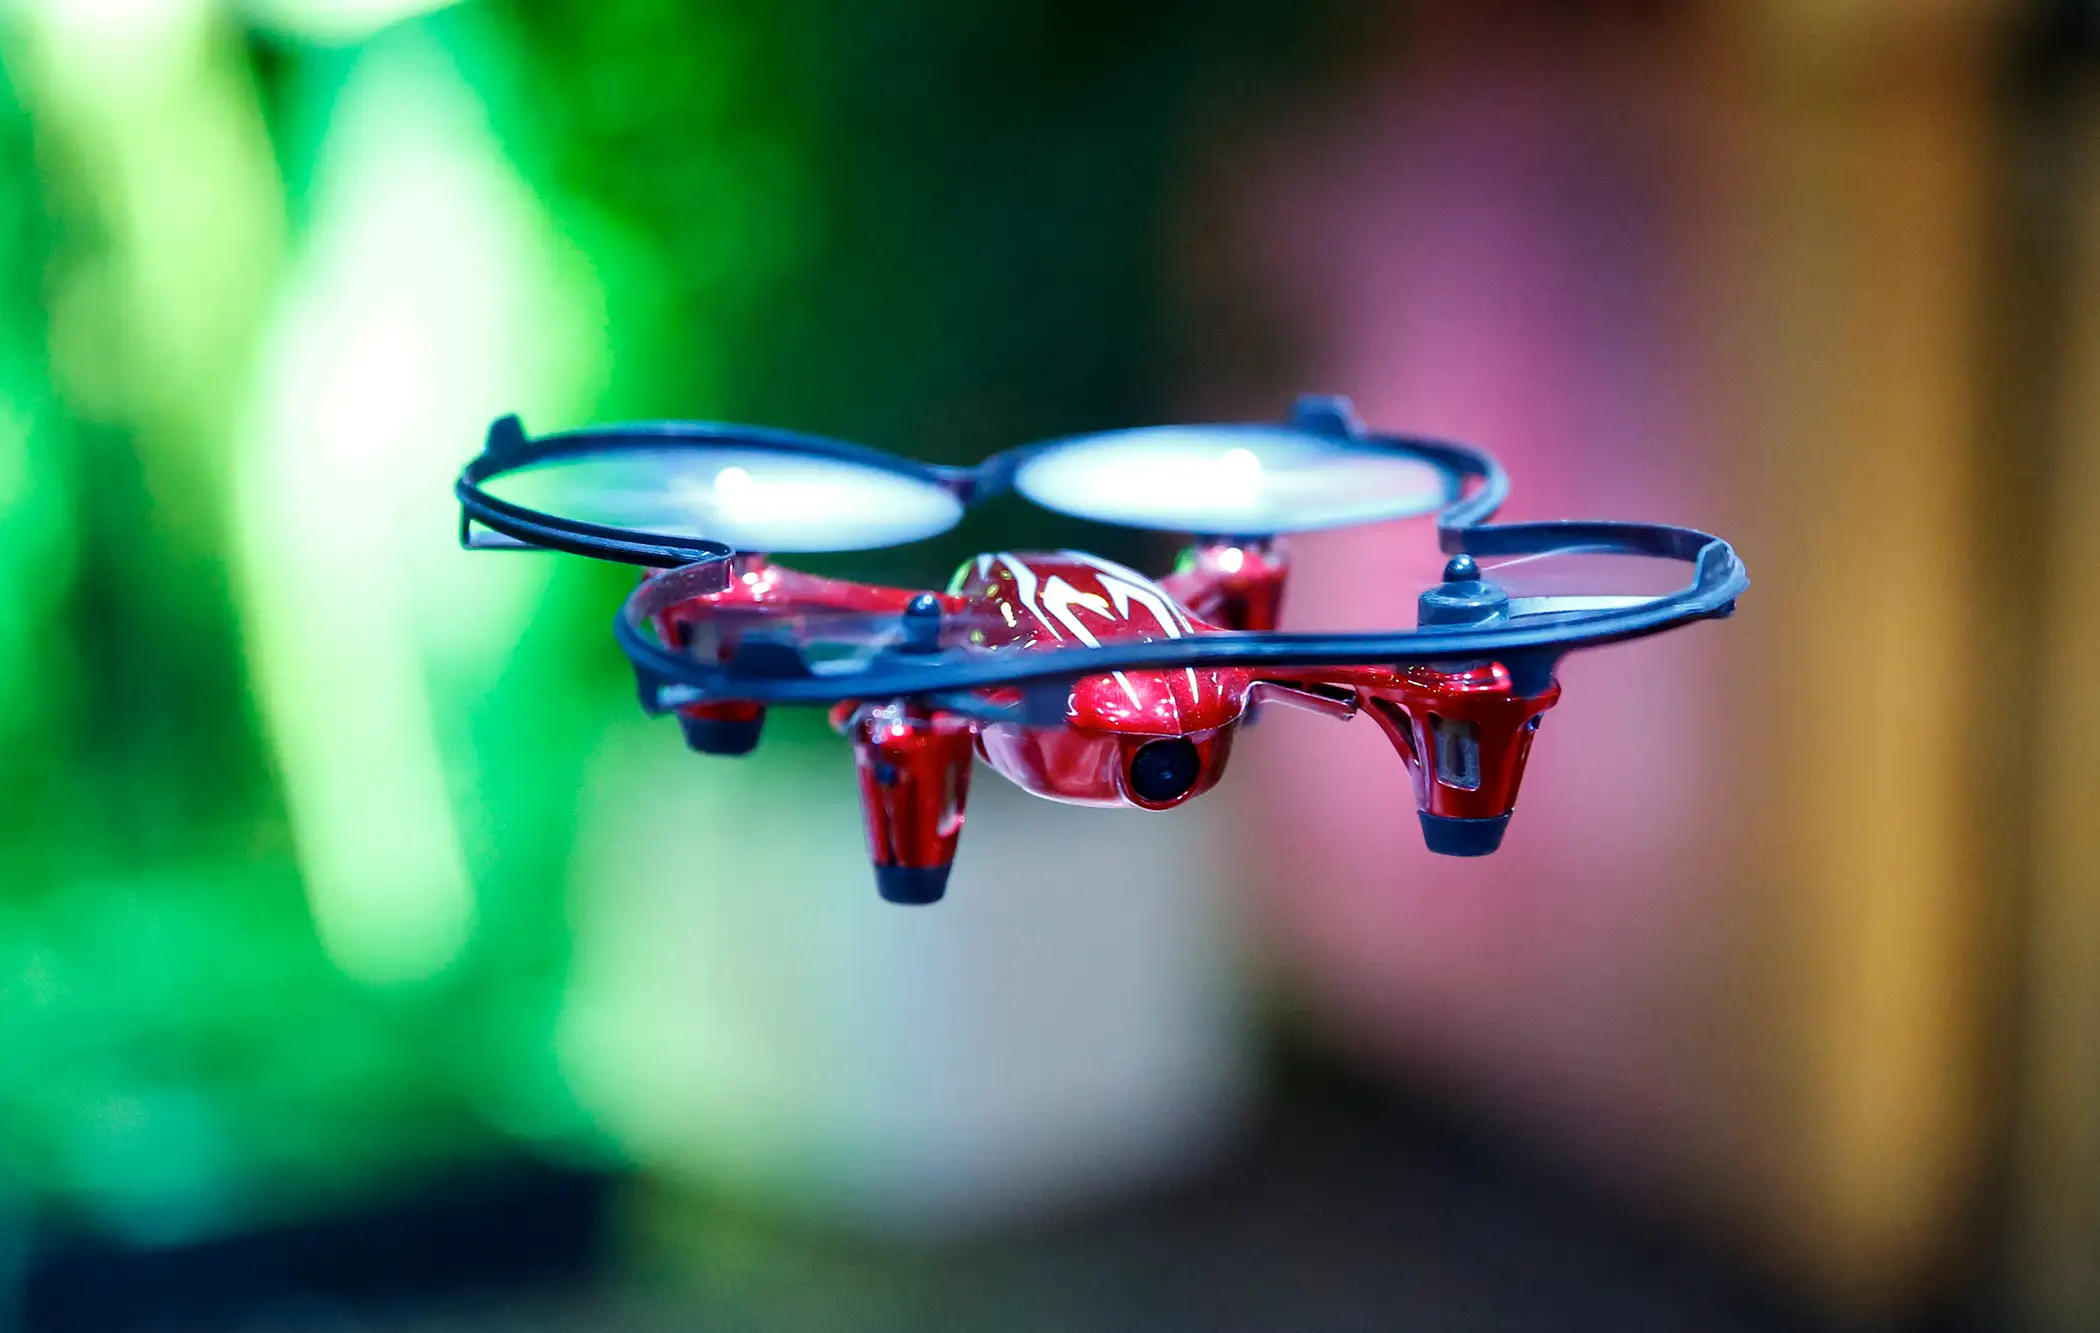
x: 1073, y: 677
x: 1143, y: 739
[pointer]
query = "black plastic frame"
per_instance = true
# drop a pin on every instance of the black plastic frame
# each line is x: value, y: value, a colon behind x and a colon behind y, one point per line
x: 770, y: 670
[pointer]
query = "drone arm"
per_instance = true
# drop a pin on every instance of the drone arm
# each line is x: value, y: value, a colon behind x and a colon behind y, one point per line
x: 754, y: 584
x: 1232, y: 582
x: 1325, y: 700
x: 1464, y: 733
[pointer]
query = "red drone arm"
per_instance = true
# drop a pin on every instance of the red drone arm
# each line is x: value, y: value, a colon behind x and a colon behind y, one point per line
x: 914, y: 761
x: 1464, y: 735
x: 1232, y: 582
x: 756, y: 585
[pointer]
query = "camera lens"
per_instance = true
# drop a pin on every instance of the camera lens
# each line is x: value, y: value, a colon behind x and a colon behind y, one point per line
x: 1163, y: 771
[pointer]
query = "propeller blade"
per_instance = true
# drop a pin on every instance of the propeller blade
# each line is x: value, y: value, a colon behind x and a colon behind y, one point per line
x: 1574, y: 580
x: 745, y: 488
x: 1549, y: 606
x: 1239, y: 480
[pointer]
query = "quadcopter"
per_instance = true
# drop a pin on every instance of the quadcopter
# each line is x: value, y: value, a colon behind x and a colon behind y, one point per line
x: 1074, y: 677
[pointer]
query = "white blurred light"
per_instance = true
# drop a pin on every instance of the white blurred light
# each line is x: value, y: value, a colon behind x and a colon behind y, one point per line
x: 732, y: 484
x: 1228, y: 480
x: 331, y: 22
x: 745, y: 1012
x: 126, y: 49
x: 429, y: 297
x: 748, y: 498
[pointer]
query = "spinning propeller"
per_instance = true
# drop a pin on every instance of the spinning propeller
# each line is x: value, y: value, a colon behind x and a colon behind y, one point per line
x: 668, y: 493
x: 1237, y: 480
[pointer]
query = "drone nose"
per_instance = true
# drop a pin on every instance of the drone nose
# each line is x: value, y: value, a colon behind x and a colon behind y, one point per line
x: 1164, y: 771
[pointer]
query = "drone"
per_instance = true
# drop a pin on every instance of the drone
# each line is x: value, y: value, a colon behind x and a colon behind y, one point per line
x: 1074, y: 677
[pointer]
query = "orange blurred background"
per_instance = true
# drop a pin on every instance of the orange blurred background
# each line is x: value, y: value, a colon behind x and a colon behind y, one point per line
x: 1798, y: 936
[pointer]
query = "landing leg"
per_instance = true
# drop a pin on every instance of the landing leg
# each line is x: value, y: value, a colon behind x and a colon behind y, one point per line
x: 914, y: 778
x: 1465, y: 736
x: 724, y: 728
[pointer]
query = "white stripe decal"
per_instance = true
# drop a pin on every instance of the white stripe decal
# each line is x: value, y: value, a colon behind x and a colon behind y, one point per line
x: 1101, y: 566
x: 1173, y: 619
x: 1059, y: 597
x: 1024, y: 584
x: 1050, y: 604
x: 1123, y: 594
x: 1128, y: 689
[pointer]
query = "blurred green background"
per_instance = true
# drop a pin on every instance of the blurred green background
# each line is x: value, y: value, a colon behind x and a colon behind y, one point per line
x: 337, y: 867
x: 286, y: 807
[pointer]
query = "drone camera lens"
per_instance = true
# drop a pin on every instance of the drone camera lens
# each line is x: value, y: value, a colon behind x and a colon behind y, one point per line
x: 1163, y: 771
